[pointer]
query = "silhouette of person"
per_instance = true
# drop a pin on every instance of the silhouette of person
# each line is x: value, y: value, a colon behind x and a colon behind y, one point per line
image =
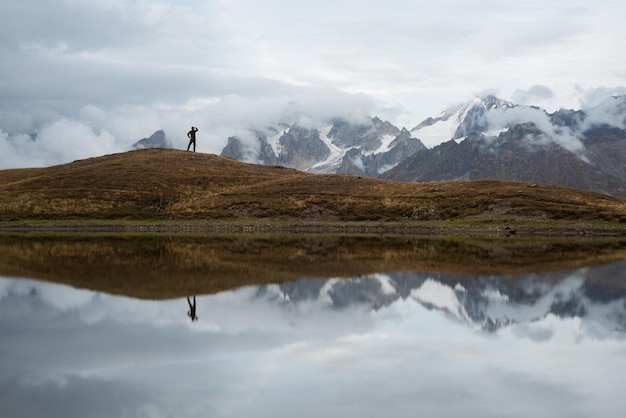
x: 192, y: 138
x: 192, y: 309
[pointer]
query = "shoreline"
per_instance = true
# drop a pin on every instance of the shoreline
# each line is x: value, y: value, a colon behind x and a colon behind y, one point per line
x: 504, y: 228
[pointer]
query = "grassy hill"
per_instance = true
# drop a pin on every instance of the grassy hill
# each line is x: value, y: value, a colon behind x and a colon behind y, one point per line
x: 178, y: 186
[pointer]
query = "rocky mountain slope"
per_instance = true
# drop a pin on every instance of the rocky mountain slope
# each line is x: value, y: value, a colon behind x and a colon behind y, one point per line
x: 366, y: 148
x: 492, y: 139
x: 485, y: 138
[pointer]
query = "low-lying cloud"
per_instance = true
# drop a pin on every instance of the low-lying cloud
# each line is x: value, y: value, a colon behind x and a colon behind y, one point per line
x: 532, y: 95
x: 563, y: 136
x: 44, y: 136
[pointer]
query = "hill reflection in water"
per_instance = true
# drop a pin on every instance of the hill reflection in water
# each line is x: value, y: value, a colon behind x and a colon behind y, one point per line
x: 160, y: 266
x: 395, y: 344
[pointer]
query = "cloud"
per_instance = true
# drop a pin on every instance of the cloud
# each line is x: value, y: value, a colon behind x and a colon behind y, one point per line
x: 44, y: 137
x: 189, y: 60
x: 61, y: 141
x: 97, y: 25
x: 563, y: 136
x: 64, y: 396
x: 594, y: 96
x: 611, y: 111
x: 115, y: 356
x: 532, y: 95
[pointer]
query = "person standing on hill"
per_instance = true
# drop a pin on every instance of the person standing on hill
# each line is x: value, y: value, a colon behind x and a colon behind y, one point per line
x: 192, y: 138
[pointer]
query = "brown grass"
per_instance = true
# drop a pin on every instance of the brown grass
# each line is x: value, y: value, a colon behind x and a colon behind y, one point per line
x: 158, y: 184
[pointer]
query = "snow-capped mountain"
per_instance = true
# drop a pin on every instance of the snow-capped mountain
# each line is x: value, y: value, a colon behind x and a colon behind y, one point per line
x: 493, y: 139
x: 459, y: 121
x: 482, y: 303
x: 367, y: 148
x: 485, y: 138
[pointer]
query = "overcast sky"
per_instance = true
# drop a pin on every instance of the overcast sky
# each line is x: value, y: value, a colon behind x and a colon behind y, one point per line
x: 94, y: 76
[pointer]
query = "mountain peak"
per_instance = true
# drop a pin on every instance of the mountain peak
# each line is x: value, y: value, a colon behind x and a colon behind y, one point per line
x: 459, y: 121
x: 156, y: 140
x: 492, y: 102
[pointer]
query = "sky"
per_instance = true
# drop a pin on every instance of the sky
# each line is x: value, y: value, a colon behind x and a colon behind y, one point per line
x: 73, y: 352
x: 88, y: 78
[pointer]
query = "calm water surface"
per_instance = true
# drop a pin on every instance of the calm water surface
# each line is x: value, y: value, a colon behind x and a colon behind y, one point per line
x: 399, y: 344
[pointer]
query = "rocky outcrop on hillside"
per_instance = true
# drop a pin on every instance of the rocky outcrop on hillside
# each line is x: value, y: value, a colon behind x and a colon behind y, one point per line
x: 156, y: 140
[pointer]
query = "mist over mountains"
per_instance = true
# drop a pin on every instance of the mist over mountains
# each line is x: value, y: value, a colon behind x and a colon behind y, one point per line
x: 485, y: 138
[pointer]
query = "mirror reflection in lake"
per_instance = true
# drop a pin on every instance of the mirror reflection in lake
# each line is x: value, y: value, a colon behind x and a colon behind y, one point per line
x: 400, y: 344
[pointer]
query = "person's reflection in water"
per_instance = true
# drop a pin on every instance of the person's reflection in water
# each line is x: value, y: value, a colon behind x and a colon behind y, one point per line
x: 192, y: 309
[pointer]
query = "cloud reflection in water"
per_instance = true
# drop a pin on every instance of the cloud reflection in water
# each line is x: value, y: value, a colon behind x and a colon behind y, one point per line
x: 397, y: 345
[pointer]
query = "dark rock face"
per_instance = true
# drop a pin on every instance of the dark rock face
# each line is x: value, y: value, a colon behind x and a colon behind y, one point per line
x: 302, y: 148
x: 299, y: 148
x: 365, y: 136
x: 475, y: 122
x: 570, y: 118
x: 235, y: 149
x: 606, y: 150
x: 156, y: 140
x: 355, y: 161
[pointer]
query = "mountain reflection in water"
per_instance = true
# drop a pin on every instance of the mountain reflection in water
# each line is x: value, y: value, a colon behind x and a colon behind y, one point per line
x: 380, y: 345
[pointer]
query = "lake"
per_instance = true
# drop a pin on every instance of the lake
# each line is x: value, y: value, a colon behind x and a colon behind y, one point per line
x: 100, y: 325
